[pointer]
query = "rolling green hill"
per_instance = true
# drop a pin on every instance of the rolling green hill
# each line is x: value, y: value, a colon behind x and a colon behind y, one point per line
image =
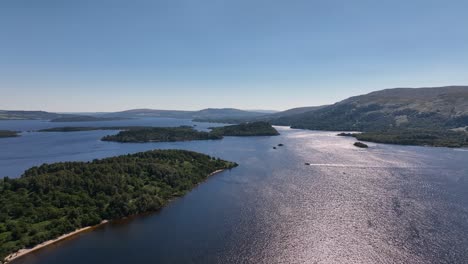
x: 410, y: 116
x: 424, y: 108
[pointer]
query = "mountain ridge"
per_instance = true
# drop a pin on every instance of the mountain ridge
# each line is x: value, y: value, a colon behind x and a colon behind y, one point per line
x: 441, y: 107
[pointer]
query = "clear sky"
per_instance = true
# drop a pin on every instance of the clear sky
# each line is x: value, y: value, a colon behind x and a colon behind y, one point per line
x: 80, y: 55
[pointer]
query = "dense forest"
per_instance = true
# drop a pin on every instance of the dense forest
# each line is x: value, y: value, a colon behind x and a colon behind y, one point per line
x: 186, y: 133
x: 54, y: 199
x: 8, y: 133
x: 436, y: 138
x: 247, y: 129
x: 161, y: 134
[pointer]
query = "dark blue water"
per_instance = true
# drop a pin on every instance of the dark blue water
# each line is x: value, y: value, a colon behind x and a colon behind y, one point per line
x: 385, y: 204
x: 34, y: 148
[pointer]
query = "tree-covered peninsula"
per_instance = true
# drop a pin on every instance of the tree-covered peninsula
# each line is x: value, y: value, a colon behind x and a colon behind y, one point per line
x: 8, y: 133
x: 161, y: 134
x: 247, y: 129
x: 137, y: 134
x: 54, y: 199
x: 435, y: 138
x: 421, y: 137
x: 186, y: 133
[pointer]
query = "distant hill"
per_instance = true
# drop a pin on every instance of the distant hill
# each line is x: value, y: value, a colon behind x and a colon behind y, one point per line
x: 86, y: 119
x: 422, y: 108
x: 30, y: 115
x: 135, y: 113
x: 209, y: 113
x: 215, y: 113
x: 294, y: 111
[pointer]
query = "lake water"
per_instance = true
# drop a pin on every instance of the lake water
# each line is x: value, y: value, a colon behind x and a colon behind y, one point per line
x: 385, y: 204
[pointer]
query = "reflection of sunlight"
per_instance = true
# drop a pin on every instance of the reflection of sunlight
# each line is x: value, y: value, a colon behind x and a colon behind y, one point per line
x: 460, y: 149
x: 366, y: 166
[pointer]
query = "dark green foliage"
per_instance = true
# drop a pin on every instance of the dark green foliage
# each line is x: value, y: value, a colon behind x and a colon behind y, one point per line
x: 436, y: 138
x: 360, y: 145
x: 343, y: 134
x: 8, y: 133
x: 53, y: 199
x: 161, y: 134
x: 247, y: 129
x: 185, y: 133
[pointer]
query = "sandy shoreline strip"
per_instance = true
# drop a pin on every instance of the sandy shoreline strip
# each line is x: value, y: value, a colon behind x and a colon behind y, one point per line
x: 25, y: 251
x: 216, y: 172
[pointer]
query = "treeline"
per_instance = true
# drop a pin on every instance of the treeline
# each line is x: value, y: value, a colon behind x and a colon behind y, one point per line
x: 246, y: 129
x: 161, y: 134
x: 8, y: 133
x: 435, y: 138
x: 53, y: 199
x: 186, y: 133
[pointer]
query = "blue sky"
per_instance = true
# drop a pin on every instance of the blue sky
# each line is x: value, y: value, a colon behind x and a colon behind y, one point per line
x: 251, y: 54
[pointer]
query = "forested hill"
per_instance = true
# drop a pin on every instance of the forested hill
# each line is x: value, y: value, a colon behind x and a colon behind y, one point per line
x: 423, y: 108
x: 54, y: 199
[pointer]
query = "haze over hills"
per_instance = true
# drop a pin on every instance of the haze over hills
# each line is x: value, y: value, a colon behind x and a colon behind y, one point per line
x: 434, y: 108
x: 30, y: 115
x: 209, y: 113
x: 440, y: 107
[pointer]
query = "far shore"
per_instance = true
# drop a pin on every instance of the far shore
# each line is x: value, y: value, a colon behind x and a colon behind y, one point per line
x: 25, y: 251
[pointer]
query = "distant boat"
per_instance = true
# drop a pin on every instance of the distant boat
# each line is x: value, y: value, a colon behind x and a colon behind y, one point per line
x: 274, y: 147
x: 280, y: 145
x: 307, y: 163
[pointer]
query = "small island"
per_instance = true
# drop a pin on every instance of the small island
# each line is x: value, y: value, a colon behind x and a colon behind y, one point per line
x: 161, y: 134
x: 360, y: 145
x: 137, y: 134
x: 55, y: 199
x: 247, y: 129
x: 8, y: 133
x: 344, y: 134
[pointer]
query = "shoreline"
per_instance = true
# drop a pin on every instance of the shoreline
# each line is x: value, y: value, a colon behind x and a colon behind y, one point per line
x: 216, y: 172
x: 25, y: 251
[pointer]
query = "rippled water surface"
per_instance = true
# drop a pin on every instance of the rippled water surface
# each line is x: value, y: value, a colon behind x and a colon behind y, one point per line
x: 385, y: 204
